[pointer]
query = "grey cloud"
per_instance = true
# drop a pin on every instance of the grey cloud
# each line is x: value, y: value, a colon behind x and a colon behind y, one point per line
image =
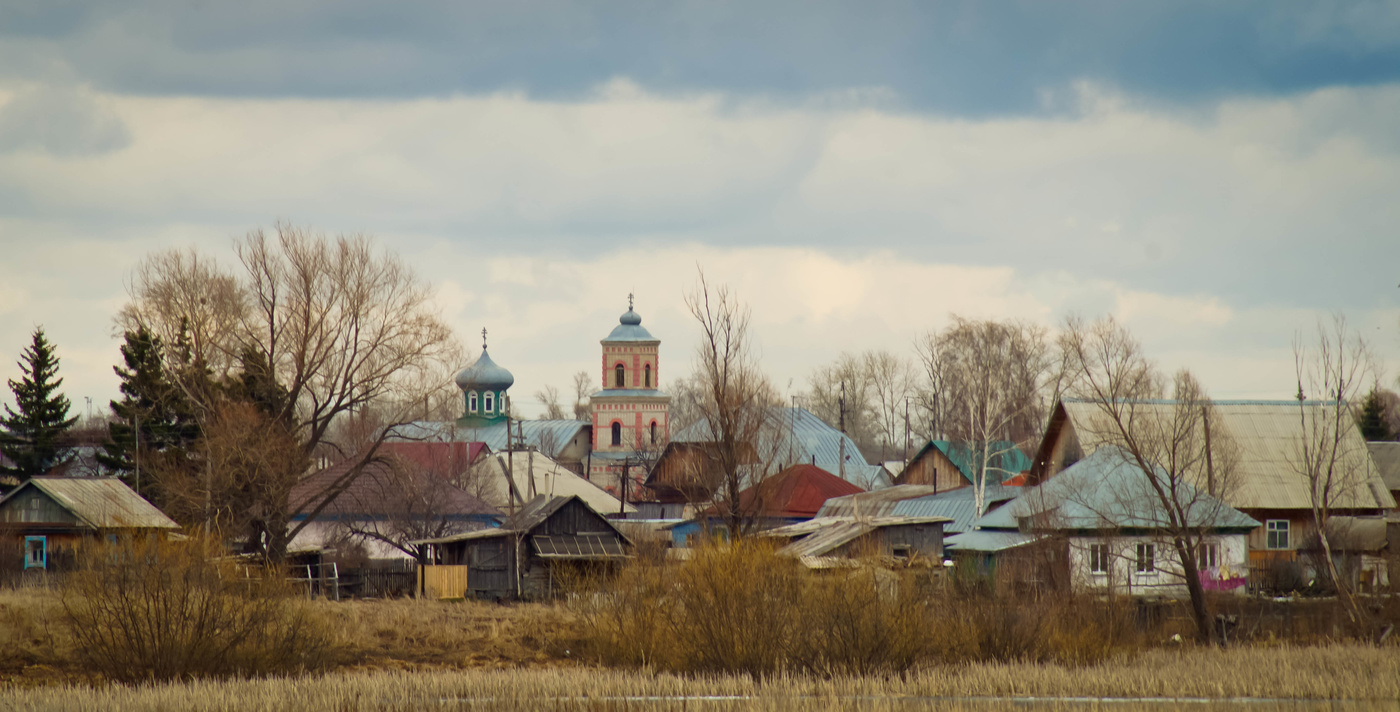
x: 61, y: 122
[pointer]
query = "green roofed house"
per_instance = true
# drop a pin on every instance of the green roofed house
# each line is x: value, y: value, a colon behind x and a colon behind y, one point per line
x: 1099, y: 526
x: 947, y: 465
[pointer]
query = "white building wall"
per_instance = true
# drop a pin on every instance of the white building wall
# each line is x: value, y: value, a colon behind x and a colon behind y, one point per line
x: 1165, y: 579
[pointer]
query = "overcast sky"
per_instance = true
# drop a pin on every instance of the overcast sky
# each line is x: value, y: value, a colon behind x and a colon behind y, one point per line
x: 1217, y: 175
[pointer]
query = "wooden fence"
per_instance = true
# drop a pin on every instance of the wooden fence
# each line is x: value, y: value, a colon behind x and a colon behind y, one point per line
x: 445, y: 581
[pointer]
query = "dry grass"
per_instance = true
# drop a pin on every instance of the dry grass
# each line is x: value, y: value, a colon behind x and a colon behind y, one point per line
x: 1322, y: 673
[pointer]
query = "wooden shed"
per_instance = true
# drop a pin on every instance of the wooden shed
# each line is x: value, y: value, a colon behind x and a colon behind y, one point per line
x: 529, y: 557
x: 43, y: 521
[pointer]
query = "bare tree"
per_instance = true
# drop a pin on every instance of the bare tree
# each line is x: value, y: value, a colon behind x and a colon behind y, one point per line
x: 840, y: 394
x: 1187, y: 468
x: 1331, y: 455
x: 583, y: 388
x: 736, y: 401
x: 989, y: 385
x: 412, y: 504
x: 891, y: 383
x: 344, y: 329
x: 549, y: 398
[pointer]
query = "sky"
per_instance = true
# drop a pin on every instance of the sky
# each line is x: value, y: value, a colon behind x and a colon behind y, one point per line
x: 1219, y: 176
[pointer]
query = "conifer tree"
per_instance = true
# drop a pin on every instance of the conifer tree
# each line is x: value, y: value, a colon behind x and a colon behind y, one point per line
x: 153, y: 418
x: 30, y: 435
x: 1374, y: 427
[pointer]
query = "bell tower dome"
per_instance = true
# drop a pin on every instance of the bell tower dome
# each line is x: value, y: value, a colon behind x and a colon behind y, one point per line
x: 631, y: 413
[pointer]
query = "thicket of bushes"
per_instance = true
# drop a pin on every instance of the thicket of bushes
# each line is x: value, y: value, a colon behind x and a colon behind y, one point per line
x: 160, y: 610
x: 742, y: 608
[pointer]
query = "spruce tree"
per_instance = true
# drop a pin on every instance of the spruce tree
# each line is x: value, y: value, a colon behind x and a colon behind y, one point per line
x: 152, y: 414
x: 30, y: 436
x: 1374, y: 427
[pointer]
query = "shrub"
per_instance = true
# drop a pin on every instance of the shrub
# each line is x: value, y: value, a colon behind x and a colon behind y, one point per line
x: 151, y: 609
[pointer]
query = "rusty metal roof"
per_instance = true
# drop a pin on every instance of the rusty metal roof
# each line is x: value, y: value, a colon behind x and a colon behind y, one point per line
x: 1270, y: 436
x: 100, y: 502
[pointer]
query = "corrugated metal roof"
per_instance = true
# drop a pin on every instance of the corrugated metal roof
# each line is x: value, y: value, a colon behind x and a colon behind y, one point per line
x: 877, y: 503
x: 1004, y: 462
x: 100, y: 502
x: 1387, y: 459
x: 834, y: 532
x: 550, y: 478
x: 797, y: 436
x: 1270, y: 435
x: 959, y: 505
x: 1107, y: 491
x: 988, y: 540
x: 543, y: 434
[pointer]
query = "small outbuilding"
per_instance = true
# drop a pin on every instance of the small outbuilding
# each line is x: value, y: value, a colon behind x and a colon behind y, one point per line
x: 547, y: 541
x: 44, y: 520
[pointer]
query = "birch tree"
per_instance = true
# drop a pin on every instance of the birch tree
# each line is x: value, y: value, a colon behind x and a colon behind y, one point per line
x: 989, y: 379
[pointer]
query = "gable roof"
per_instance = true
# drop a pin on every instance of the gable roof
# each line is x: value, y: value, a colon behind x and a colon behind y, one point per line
x: 875, y: 503
x: 1269, y: 435
x: 99, y: 502
x: 1107, y: 491
x: 535, y: 512
x: 798, y: 491
x: 797, y: 436
x: 387, y: 487
x: 549, y: 477
x: 959, y: 505
x: 828, y: 534
x: 1005, y: 459
x: 1386, y: 455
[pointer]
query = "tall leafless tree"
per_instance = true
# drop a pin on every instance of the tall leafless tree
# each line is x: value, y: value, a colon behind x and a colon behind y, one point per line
x: 583, y: 388
x: 344, y: 327
x: 1331, y: 456
x: 988, y: 384
x: 738, y: 404
x: 1188, y: 469
x: 549, y: 398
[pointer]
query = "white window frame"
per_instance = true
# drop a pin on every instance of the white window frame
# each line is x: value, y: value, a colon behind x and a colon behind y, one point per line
x: 1207, y: 555
x: 1145, y: 559
x: 1098, y: 559
x: 487, y: 402
x: 1274, y: 527
x: 471, y: 402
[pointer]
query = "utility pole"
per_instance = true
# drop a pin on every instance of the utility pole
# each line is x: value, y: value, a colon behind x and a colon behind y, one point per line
x: 136, y: 452
x: 841, y: 403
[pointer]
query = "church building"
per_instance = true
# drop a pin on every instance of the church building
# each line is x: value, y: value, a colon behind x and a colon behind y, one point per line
x: 631, y: 415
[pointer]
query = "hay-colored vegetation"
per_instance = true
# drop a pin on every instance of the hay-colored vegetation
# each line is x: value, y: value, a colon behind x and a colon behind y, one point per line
x: 1322, y: 673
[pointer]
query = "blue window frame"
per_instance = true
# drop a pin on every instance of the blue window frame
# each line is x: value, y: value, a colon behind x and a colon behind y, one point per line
x: 36, y: 552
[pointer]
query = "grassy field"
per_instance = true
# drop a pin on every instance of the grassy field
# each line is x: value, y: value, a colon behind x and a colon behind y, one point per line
x: 1365, y: 674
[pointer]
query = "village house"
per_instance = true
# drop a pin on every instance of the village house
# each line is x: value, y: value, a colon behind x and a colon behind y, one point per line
x: 828, y: 542
x: 528, y: 557
x: 793, y: 495
x: 1102, y: 523
x: 45, y: 520
x: 687, y: 475
x: 1266, y: 482
x: 947, y: 465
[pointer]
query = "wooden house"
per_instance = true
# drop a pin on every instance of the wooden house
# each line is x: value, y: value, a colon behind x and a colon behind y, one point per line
x: 548, y: 540
x: 1265, y: 484
x: 836, y: 541
x: 44, y: 520
x: 947, y: 465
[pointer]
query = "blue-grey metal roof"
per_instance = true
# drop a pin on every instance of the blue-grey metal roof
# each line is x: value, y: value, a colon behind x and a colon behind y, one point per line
x: 630, y: 328
x: 877, y: 503
x: 794, y: 435
x: 986, y: 540
x: 484, y: 375
x: 959, y: 505
x: 539, y: 433
x: 1107, y: 490
x: 1004, y: 459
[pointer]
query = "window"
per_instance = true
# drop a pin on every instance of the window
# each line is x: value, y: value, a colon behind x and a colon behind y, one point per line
x: 489, y: 402
x: 471, y: 402
x: 1098, y: 558
x: 616, y: 433
x: 619, y: 376
x: 653, y: 432
x: 1276, y: 534
x: 36, y: 552
x: 1208, y: 557
x: 1145, y: 555
x: 648, y: 376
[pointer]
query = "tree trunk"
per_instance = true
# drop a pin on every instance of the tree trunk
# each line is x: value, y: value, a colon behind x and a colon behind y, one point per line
x: 1200, y: 613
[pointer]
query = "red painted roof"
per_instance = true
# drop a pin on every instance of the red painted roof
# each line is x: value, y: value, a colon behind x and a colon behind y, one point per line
x: 798, y: 491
